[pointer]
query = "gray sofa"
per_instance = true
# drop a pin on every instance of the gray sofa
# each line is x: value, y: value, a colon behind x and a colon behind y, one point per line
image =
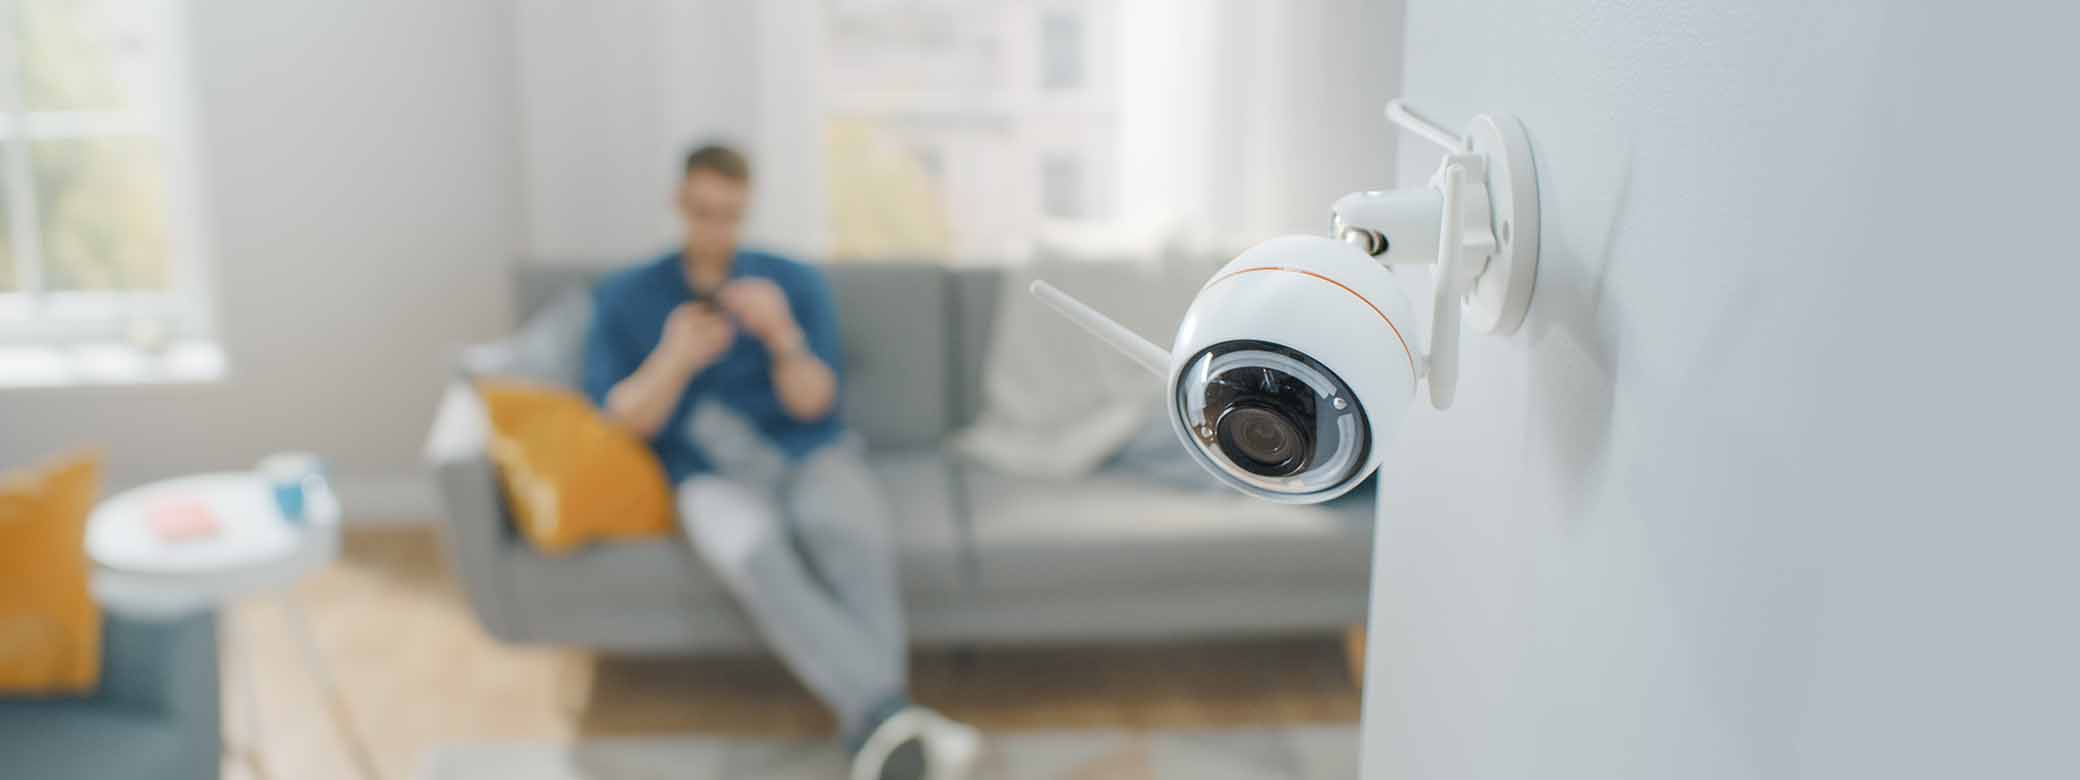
x: 155, y: 713
x: 986, y: 557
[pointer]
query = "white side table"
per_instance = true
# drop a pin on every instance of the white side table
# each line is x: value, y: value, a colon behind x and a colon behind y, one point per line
x: 254, y: 551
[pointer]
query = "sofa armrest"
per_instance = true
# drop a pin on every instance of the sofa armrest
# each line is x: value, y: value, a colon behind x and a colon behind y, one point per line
x: 155, y: 714
x: 167, y: 669
x: 475, y: 527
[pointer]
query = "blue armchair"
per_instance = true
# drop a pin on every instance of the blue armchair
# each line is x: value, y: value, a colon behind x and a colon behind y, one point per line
x: 155, y: 714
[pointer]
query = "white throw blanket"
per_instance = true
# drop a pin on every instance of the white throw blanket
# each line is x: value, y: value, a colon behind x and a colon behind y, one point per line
x: 1056, y: 402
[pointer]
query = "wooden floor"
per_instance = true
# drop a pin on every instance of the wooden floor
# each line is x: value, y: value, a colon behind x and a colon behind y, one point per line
x: 417, y: 672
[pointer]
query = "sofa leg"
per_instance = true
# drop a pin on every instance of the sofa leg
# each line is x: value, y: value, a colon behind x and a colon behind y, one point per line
x: 575, y: 672
x: 1354, y: 654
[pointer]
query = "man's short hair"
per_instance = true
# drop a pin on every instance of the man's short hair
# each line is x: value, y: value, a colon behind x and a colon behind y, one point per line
x: 718, y: 159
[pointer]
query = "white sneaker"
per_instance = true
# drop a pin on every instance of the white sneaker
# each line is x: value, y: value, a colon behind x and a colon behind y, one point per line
x: 951, y: 747
x: 943, y: 749
x: 903, y: 728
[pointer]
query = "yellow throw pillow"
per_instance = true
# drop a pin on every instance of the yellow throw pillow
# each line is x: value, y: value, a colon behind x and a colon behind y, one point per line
x: 570, y: 476
x: 50, y: 628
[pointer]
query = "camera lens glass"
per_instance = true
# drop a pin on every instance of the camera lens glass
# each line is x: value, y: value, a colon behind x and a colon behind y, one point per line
x: 1271, y: 419
x: 1264, y: 439
x: 1263, y: 419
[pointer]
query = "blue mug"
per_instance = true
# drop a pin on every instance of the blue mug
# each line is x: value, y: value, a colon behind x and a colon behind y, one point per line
x: 292, y: 477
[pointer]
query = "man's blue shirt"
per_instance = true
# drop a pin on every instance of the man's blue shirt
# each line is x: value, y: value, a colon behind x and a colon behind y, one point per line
x: 629, y: 310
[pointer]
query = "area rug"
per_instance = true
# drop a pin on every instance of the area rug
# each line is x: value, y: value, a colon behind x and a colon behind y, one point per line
x: 1243, y: 754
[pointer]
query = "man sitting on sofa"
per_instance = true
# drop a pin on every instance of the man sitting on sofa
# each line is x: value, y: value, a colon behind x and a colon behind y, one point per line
x: 726, y: 361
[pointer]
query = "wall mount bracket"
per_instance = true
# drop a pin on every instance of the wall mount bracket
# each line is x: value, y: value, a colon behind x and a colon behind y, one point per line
x: 1477, y: 220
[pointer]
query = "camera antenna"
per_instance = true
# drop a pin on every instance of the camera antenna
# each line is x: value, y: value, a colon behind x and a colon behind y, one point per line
x: 1154, y: 358
x: 1398, y: 113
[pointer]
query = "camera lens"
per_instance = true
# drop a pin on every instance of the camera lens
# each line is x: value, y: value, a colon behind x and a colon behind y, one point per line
x: 1264, y: 439
x: 1263, y: 420
x: 1270, y: 420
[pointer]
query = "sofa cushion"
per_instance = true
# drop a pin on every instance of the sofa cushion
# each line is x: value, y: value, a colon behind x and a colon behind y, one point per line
x: 50, y: 625
x: 974, y: 312
x: 1109, y: 531
x: 538, y: 285
x: 893, y: 321
x: 666, y: 573
x: 572, y: 477
x: 1032, y: 422
x: 549, y: 347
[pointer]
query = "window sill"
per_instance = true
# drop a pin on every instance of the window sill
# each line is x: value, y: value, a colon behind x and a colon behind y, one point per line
x: 110, y: 364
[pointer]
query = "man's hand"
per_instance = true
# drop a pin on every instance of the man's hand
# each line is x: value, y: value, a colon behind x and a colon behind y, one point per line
x: 695, y: 335
x: 761, y: 307
x: 807, y: 388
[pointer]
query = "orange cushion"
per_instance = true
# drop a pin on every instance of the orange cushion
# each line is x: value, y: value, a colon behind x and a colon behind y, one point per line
x: 50, y: 628
x: 571, y: 477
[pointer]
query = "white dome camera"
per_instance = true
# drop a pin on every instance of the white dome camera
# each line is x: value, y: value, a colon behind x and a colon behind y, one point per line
x: 1297, y: 361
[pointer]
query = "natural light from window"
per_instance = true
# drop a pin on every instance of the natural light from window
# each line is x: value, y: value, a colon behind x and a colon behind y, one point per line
x: 99, y: 279
x: 965, y: 130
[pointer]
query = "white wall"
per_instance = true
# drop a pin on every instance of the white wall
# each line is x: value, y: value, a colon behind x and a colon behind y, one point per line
x: 1776, y: 480
x: 358, y: 163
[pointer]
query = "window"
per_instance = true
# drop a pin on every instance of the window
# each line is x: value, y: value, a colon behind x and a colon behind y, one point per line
x: 1061, y: 187
x: 91, y: 251
x: 932, y: 162
x: 966, y: 132
x: 1061, y: 51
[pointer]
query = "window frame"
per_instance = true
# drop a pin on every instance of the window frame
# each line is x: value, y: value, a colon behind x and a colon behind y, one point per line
x: 1064, y: 186
x: 1063, y: 51
x: 32, y: 315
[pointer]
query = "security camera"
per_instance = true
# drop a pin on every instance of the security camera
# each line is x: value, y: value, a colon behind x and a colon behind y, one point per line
x: 1276, y: 381
x: 1298, y: 360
